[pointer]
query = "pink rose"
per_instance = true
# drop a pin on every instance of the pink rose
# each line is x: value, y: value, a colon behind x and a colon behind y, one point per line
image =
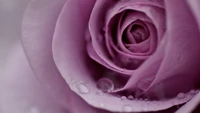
x: 112, y: 56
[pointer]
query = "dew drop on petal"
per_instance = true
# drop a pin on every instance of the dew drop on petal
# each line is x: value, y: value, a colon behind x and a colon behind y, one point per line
x: 99, y: 92
x: 192, y: 92
x: 123, y: 98
x: 181, y: 96
x: 83, y: 89
x: 146, y: 100
x: 130, y: 97
x: 105, y: 85
x: 127, y: 108
x: 141, y: 99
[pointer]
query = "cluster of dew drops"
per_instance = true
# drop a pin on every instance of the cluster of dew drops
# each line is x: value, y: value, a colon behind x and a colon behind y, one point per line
x: 105, y: 85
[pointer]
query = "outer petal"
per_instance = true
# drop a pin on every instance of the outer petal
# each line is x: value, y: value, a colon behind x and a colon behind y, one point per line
x: 20, y: 90
x: 38, y: 28
x: 37, y: 33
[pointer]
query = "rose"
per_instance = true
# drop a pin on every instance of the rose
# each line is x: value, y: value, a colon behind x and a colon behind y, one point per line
x: 55, y: 40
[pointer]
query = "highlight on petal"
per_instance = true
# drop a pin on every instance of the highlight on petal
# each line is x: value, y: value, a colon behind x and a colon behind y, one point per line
x: 195, y: 7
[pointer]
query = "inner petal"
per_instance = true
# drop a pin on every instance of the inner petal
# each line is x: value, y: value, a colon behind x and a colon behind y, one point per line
x: 137, y: 32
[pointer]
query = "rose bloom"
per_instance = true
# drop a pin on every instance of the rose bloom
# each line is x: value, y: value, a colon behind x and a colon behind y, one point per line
x: 105, y: 56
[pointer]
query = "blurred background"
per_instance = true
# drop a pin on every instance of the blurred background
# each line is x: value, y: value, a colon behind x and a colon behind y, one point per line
x: 11, y: 14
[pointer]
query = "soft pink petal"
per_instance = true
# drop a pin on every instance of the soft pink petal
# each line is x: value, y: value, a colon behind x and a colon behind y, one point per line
x: 37, y: 35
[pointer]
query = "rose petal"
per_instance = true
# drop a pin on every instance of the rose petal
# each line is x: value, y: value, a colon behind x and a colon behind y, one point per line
x: 182, y: 52
x: 94, y: 56
x: 40, y: 53
x: 195, y: 8
x: 94, y: 26
x: 37, y: 33
x: 191, y: 105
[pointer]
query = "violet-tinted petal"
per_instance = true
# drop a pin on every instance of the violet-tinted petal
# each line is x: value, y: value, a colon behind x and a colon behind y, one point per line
x: 195, y: 8
x: 94, y: 56
x: 96, y: 26
x: 37, y: 35
x: 182, y: 51
x: 190, y: 106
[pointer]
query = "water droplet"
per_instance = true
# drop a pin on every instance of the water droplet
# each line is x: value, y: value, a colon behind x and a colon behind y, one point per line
x: 101, y: 105
x: 34, y: 110
x: 181, y: 96
x: 105, y: 84
x: 130, y: 97
x: 123, y: 98
x: 141, y: 99
x: 146, y: 100
x: 136, y: 99
x: 127, y: 108
x: 192, y: 92
x: 83, y: 88
x: 99, y: 92
x: 154, y: 101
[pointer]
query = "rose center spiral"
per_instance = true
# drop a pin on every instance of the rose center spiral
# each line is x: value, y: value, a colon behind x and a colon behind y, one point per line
x: 136, y: 33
